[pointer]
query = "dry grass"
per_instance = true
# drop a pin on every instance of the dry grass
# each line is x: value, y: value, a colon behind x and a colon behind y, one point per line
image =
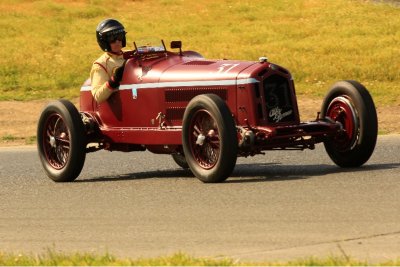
x: 48, y: 46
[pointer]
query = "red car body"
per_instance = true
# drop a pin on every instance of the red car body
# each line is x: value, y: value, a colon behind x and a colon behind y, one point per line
x: 148, y: 112
x: 149, y: 106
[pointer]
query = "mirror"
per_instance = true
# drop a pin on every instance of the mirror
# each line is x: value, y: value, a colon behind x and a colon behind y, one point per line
x: 176, y: 44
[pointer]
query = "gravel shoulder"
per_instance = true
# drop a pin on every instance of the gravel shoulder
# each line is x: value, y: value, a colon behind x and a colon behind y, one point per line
x: 18, y: 119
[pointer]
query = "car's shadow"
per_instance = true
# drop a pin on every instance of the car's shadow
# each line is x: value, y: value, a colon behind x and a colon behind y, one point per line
x: 173, y: 173
x: 247, y: 173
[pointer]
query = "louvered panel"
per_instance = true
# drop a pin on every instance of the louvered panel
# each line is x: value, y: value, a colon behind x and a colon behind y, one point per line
x: 199, y: 62
x: 175, y: 113
x: 186, y: 94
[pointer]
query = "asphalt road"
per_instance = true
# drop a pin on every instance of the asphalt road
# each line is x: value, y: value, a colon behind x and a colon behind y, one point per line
x: 280, y: 206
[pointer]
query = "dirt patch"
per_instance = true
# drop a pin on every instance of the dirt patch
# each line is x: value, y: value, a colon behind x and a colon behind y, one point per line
x: 18, y: 120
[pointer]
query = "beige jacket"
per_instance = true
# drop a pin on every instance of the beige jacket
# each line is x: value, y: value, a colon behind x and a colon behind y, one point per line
x: 102, y: 70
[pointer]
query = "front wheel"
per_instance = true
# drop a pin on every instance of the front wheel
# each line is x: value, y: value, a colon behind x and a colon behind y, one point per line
x: 350, y: 104
x: 61, y: 141
x: 209, y: 138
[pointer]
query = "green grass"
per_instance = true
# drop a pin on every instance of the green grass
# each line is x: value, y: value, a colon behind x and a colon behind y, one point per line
x: 52, y: 258
x: 48, y: 46
x: 9, y: 138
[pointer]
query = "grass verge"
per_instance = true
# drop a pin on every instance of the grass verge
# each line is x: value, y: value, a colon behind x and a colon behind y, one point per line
x: 52, y: 258
x: 8, y: 138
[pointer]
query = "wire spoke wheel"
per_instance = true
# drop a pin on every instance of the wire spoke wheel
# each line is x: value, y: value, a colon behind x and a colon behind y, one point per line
x: 61, y: 141
x: 209, y: 138
x: 56, y: 142
x: 204, y: 139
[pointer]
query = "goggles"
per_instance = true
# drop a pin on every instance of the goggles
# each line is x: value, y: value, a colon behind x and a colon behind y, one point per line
x: 113, y: 38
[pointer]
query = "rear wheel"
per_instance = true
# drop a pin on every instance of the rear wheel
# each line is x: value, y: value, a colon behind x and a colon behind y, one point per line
x: 350, y: 103
x: 180, y: 159
x: 209, y: 138
x: 61, y: 141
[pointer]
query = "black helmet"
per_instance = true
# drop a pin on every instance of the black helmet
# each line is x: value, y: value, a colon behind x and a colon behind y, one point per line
x: 107, y: 30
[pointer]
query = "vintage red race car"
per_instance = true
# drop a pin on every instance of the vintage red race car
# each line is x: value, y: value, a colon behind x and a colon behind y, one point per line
x: 205, y: 113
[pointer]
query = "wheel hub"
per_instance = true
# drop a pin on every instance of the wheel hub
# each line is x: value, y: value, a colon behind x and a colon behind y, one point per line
x: 200, y: 139
x: 52, y: 141
x: 342, y: 111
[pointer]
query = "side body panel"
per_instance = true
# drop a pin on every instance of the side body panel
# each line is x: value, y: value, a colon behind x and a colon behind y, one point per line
x: 148, y: 108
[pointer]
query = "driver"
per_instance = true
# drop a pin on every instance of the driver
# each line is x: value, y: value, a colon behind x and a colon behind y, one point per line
x: 107, y: 70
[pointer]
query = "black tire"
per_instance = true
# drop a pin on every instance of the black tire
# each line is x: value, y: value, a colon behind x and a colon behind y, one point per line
x: 180, y: 159
x: 209, y: 138
x: 350, y: 103
x: 61, y: 141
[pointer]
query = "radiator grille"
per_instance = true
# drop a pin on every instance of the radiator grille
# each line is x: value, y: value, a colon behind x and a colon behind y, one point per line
x: 278, y: 99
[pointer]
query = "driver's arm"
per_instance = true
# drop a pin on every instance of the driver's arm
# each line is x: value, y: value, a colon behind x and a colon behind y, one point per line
x: 101, y: 89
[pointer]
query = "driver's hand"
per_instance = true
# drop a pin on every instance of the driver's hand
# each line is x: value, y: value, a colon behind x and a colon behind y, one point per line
x: 129, y: 54
x: 118, y: 72
x: 116, y: 78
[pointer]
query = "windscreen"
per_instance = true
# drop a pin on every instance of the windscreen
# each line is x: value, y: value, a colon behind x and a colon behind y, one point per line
x: 149, y: 45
